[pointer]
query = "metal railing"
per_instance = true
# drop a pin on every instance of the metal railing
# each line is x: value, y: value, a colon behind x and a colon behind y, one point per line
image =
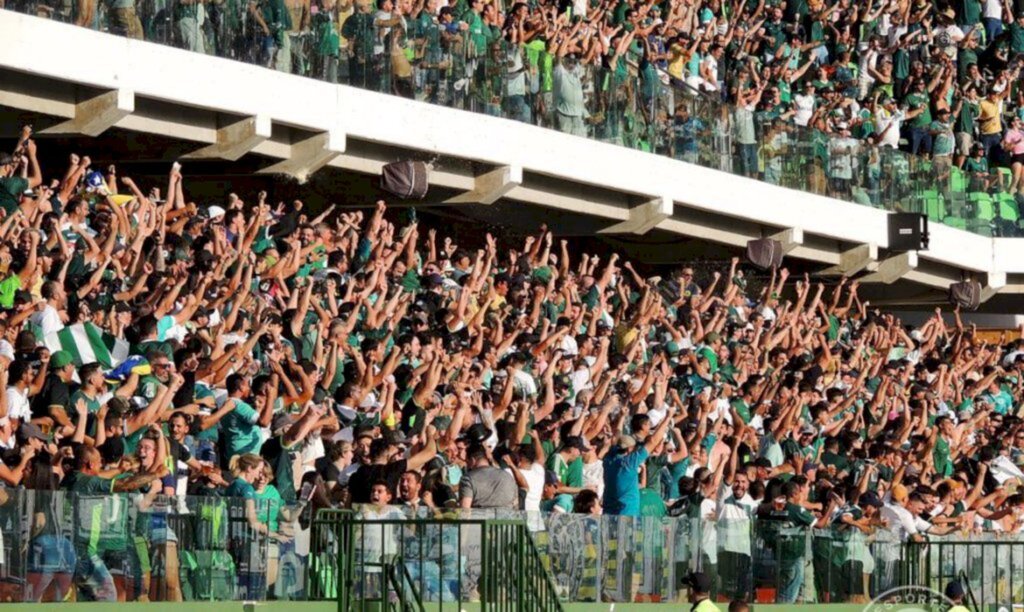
x: 633, y: 104
x: 992, y: 571
x: 57, y: 546
x: 380, y: 558
x: 81, y: 547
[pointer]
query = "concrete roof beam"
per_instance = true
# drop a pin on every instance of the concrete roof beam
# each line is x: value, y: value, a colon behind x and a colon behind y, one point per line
x: 235, y: 139
x: 643, y: 218
x: 309, y: 154
x: 892, y: 269
x: 994, y: 283
x: 97, y: 114
x: 854, y: 260
x: 491, y: 186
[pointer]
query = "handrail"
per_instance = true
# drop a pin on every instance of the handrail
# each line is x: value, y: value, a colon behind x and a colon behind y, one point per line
x: 409, y: 599
x: 512, y: 575
x: 547, y: 594
x: 966, y: 583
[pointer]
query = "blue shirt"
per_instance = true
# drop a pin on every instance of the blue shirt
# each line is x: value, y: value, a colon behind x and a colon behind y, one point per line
x: 622, y: 481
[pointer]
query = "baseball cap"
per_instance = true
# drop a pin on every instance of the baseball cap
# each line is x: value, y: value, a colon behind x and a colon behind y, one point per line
x: 626, y: 442
x: 281, y: 422
x: 27, y: 431
x: 60, y: 359
x: 477, y: 433
x: 551, y: 478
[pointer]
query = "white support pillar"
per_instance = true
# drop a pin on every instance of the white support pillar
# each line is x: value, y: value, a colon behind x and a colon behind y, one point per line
x: 852, y: 261
x: 96, y: 115
x: 490, y: 187
x: 643, y: 218
x: 236, y: 139
x: 892, y: 269
x: 309, y: 155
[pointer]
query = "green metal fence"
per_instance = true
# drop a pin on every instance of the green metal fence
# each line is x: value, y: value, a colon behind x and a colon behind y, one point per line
x: 380, y: 560
x: 59, y: 546
x: 991, y: 568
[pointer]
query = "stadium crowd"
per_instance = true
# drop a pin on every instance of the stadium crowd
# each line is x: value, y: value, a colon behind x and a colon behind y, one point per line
x: 248, y: 349
x: 937, y: 79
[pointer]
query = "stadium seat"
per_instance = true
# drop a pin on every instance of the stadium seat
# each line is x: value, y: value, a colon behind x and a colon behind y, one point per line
x: 983, y: 206
x: 934, y: 206
x: 1008, y: 207
x: 957, y: 222
x: 957, y: 180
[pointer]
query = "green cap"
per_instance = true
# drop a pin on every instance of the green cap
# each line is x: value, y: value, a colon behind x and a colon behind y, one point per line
x: 60, y: 359
x: 542, y: 274
x: 672, y: 348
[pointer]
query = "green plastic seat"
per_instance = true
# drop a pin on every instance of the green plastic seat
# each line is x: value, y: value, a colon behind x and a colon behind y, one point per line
x: 936, y: 210
x: 1008, y: 207
x: 984, y: 209
x: 934, y: 206
x: 957, y: 180
x: 957, y: 222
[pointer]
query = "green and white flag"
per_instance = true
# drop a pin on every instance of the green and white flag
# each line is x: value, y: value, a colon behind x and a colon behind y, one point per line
x: 87, y: 344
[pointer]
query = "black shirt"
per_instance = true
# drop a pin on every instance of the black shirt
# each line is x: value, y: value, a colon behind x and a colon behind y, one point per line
x: 186, y: 394
x: 55, y: 392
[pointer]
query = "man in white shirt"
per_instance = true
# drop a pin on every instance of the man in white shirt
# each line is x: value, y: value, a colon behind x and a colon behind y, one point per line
x: 19, y: 377
x: 888, y: 121
x: 735, y: 511
x: 518, y: 107
x: 48, y: 319
x: 993, y: 19
x: 532, y: 472
x: 902, y: 512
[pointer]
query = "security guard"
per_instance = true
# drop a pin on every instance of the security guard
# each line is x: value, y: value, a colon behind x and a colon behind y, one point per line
x: 700, y: 593
x: 955, y: 593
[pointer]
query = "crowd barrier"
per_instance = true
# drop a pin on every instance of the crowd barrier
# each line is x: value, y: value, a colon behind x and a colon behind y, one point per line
x: 59, y: 545
x: 632, y: 103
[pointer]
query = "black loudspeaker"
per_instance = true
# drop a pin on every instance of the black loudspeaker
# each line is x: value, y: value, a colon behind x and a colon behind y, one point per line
x: 965, y: 294
x: 405, y: 179
x: 765, y: 253
x: 908, y: 232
